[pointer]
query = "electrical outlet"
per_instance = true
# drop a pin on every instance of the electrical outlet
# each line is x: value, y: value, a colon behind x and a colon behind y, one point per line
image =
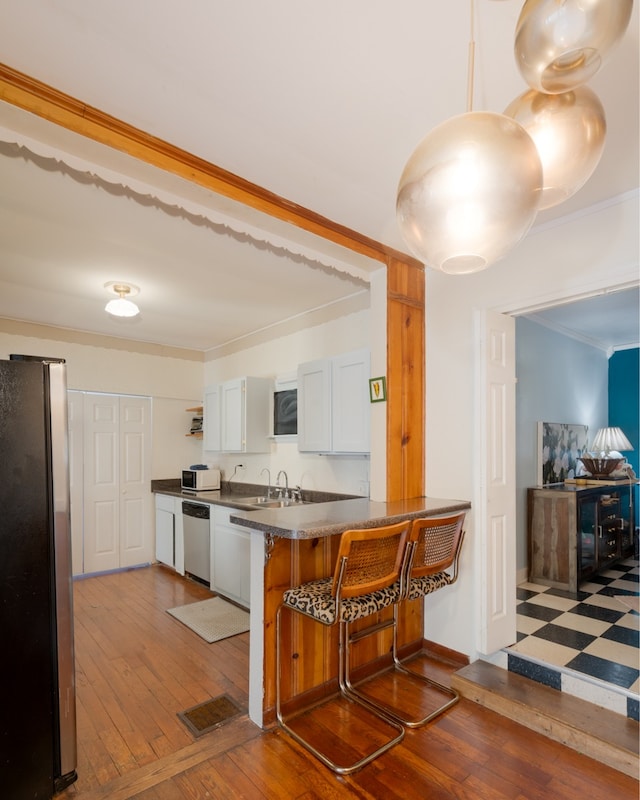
x: 240, y: 466
x: 363, y: 488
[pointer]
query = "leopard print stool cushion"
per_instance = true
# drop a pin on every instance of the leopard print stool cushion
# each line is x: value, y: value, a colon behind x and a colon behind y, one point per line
x: 314, y: 599
x: 426, y: 584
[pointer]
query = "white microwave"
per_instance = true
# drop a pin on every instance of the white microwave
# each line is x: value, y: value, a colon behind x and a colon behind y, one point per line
x: 200, y: 480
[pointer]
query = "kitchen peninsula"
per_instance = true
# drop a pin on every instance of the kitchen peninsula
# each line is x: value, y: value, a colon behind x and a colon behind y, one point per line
x: 297, y: 543
x: 300, y: 543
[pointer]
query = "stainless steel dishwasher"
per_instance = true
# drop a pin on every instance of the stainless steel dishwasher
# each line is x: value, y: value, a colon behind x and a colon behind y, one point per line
x: 197, y: 548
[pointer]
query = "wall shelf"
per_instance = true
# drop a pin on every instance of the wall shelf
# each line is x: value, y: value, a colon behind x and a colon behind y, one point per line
x: 198, y: 412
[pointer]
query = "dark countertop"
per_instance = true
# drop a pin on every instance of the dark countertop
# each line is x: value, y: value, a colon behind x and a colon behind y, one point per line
x: 317, y: 520
x: 323, y: 513
x: 231, y: 495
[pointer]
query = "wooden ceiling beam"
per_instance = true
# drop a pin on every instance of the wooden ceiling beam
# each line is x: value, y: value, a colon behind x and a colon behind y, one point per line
x: 48, y: 103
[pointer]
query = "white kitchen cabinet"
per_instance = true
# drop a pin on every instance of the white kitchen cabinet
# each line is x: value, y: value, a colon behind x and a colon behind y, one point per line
x: 169, y: 531
x: 211, y: 418
x: 165, y: 529
x: 236, y: 416
x: 230, y: 557
x: 333, y: 404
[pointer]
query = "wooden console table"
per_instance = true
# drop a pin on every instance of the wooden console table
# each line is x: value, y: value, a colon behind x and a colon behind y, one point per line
x: 576, y: 531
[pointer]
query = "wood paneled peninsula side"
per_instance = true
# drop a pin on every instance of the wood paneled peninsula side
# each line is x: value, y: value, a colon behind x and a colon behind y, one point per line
x: 297, y: 544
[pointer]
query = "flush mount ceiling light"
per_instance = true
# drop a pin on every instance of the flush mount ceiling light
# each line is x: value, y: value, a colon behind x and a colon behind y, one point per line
x: 471, y: 189
x: 569, y: 131
x: 561, y: 44
x: 121, y: 307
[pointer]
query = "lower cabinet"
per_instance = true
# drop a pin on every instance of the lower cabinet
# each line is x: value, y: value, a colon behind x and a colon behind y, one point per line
x: 575, y: 532
x: 169, y: 532
x: 165, y: 530
x: 230, y: 557
x: 229, y: 547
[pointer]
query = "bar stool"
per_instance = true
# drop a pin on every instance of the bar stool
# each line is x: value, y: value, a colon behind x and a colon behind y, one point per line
x: 367, y: 579
x: 432, y: 563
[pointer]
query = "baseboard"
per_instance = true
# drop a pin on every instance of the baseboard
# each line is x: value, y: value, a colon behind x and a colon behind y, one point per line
x: 445, y: 654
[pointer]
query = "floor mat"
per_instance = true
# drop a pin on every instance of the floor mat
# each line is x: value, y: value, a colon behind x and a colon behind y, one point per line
x: 212, y: 619
x: 210, y: 715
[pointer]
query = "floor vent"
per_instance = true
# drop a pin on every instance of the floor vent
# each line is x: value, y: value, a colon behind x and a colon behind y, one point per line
x: 210, y: 715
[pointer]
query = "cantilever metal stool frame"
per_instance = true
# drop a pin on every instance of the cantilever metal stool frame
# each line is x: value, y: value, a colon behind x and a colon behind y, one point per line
x: 432, y: 563
x: 368, y: 578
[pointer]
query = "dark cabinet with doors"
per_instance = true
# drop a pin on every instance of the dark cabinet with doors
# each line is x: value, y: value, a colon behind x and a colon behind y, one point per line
x: 577, y: 531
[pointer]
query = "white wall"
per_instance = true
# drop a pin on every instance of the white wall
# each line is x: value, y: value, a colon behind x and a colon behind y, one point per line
x: 174, y: 384
x: 346, y: 474
x: 559, y: 380
x: 586, y: 254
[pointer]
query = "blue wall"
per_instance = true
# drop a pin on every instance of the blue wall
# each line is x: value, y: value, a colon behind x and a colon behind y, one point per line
x: 624, y: 403
x: 559, y: 380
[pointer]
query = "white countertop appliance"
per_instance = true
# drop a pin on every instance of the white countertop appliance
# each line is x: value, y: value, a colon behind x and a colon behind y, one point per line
x: 200, y: 478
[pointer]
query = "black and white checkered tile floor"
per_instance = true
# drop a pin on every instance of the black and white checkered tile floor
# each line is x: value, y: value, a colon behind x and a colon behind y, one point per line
x: 594, y: 635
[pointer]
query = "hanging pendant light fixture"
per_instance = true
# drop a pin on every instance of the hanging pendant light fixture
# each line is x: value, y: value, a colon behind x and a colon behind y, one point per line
x: 561, y: 44
x: 470, y: 192
x: 471, y: 189
x: 121, y: 307
x: 568, y: 130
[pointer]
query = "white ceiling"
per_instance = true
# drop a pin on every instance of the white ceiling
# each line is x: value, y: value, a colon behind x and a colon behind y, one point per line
x: 321, y: 104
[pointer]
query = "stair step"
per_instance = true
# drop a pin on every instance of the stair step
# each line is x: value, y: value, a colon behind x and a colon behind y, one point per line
x: 597, y: 732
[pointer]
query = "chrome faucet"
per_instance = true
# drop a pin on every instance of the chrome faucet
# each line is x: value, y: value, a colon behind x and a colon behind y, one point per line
x: 266, y: 469
x: 286, y: 484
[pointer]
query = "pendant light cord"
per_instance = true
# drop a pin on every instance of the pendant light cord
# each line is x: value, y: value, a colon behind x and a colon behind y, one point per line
x: 471, y: 64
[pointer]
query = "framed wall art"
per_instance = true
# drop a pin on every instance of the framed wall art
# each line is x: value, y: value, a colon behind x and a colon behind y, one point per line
x: 560, y: 445
x: 377, y: 389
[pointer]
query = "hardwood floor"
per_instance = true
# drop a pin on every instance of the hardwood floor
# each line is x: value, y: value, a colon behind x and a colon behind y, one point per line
x: 137, y: 667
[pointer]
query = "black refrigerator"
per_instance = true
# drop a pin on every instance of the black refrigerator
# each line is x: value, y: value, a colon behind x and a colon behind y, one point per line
x: 37, y: 673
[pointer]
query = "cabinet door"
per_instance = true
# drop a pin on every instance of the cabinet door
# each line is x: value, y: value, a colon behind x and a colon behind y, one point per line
x: 232, y: 401
x: 314, y: 406
x: 626, y: 522
x: 230, y: 558
x: 608, y: 528
x: 587, y: 535
x: 350, y: 425
x: 211, y: 422
x: 165, y: 537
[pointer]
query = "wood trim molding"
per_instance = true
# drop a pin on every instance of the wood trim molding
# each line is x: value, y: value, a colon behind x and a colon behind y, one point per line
x: 405, y: 285
x: 405, y: 380
x: 55, y: 106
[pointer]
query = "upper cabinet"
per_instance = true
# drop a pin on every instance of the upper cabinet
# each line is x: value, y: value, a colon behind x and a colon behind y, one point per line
x: 211, y: 423
x: 236, y: 416
x: 333, y: 404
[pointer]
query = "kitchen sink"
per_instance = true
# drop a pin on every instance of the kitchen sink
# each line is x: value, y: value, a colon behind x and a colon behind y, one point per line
x: 271, y: 502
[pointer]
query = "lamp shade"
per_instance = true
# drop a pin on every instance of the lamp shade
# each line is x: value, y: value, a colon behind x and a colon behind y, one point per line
x: 469, y: 192
x: 608, y: 439
x: 569, y: 131
x: 561, y: 44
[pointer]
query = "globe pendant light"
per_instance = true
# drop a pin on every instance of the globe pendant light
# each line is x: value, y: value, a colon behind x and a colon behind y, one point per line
x: 470, y: 192
x: 561, y: 44
x: 569, y: 132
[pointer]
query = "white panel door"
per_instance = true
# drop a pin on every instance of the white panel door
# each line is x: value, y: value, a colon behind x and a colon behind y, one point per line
x: 496, y: 522
x: 101, y: 483
x: 135, y: 481
x: 75, y: 404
